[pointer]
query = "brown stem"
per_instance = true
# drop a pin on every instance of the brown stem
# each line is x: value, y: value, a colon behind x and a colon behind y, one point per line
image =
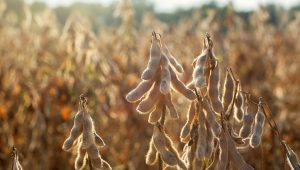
x: 161, y: 122
x: 90, y: 163
x: 274, y: 128
x: 235, y: 90
x: 160, y: 163
x: 163, y: 114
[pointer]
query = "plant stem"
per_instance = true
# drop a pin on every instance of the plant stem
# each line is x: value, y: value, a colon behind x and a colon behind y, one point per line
x: 162, y: 122
x: 90, y: 164
x: 160, y: 163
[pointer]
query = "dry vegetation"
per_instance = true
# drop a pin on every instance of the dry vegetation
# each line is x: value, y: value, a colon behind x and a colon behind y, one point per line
x: 45, y: 66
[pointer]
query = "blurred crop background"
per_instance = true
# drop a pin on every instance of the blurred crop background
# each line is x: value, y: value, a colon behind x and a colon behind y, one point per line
x: 50, y: 55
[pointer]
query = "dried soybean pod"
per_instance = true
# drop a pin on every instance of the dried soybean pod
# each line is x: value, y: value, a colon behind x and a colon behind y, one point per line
x: 106, y: 165
x: 209, y: 141
x: 154, y: 61
x: 160, y: 145
x: 259, y: 122
x: 155, y: 115
x: 291, y: 157
x: 180, y: 87
x: 239, y: 104
x: 223, y: 157
x: 211, y: 118
x: 170, y: 146
x: 246, y: 129
x: 150, y: 101
x: 170, y: 168
x: 165, y: 83
x: 199, y: 164
x: 187, y: 126
x: 172, y: 59
x: 75, y: 131
x: 168, y: 101
x: 140, y: 90
x: 88, y: 137
x: 152, y: 154
x: 199, y: 71
x: 80, y: 160
x: 213, y: 89
x: 213, y: 164
x: 94, y: 156
x: 235, y: 156
x: 99, y: 141
x: 16, y: 164
x: 201, y: 143
x: 227, y: 91
x: 188, y: 155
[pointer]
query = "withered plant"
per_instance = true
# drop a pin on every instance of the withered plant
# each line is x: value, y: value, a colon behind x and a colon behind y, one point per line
x: 159, y: 79
x: 85, y: 140
x: 209, y: 133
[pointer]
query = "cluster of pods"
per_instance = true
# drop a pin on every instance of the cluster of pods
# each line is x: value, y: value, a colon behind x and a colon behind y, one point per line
x: 210, y: 139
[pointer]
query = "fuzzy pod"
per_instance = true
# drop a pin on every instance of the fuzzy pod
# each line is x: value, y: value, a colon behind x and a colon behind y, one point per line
x: 215, y: 160
x: 155, y: 116
x: 235, y: 157
x: 152, y: 154
x: 179, y: 86
x: 149, y: 102
x: 291, y: 157
x: 172, y: 59
x: 93, y: 152
x: 211, y: 118
x: 75, y: 131
x: 165, y: 83
x: 97, y: 163
x: 187, y: 155
x: 94, y: 156
x: 159, y: 141
x: 238, y: 113
x: 199, y: 71
x: 252, y: 108
x: 246, y: 128
x: 170, y: 146
x: 223, y: 157
x: 106, y: 165
x: 16, y: 163
x: 228, y: 90
x: 213, y: 89
x: 172, y: 110
x: 209, y: 141
x: 98, y: 140
x: 259, y: 122
x: 88, y: 137
x: 237, y: 139
x: 154, y: 61
x: 80, y: 160
x: 187, y: 126
x: 239, y: 101
x: 239, y: 105
x: 202, y: 135
x: 175, y: 64
x: 141, y: 89
x: 199, y: 164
